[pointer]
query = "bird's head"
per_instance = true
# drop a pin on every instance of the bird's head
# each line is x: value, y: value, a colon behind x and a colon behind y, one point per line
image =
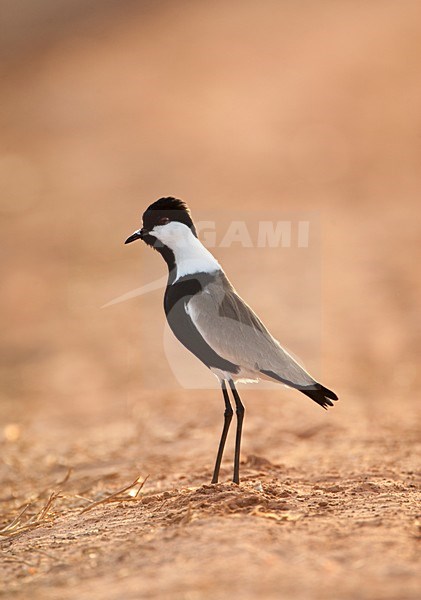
x: 166, y: 222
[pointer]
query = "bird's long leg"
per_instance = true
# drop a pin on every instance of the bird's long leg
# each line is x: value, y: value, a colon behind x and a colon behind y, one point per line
x: 239, y: 409
x: 227, y: 421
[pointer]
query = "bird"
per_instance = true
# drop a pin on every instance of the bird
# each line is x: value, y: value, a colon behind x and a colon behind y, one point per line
x: 212, y: 321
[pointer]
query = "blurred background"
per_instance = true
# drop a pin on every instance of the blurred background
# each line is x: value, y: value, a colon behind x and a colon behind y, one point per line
x: 296, y: 109
x: 269, y: 106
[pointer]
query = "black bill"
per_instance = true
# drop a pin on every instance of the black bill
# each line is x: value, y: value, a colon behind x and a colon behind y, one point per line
x: 137, y: 235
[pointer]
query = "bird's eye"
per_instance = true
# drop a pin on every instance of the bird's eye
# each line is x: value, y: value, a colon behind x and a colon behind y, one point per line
x: 163, y: 220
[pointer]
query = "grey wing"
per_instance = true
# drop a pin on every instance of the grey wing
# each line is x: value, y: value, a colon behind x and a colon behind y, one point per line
x: 235, y: 332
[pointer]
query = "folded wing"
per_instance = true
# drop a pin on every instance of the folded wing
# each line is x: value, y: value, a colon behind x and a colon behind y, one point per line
x: 235, y: 332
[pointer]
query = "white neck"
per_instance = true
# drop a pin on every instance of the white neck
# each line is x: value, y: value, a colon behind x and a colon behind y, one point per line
x: 194, y: 258
x: 190, y: 254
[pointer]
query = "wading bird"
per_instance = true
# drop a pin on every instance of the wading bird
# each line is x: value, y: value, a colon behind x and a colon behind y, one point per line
x: 210, y: 319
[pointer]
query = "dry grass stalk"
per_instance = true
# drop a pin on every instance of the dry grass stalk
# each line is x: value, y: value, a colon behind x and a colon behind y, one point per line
x: 20, y: 524
x: 118, y: 495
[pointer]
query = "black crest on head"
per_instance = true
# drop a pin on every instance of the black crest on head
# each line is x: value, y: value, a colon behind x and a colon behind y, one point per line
x: 165, y: 210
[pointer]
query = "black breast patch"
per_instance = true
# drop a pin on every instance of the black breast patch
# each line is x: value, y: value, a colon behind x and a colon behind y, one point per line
x: 176, y: 298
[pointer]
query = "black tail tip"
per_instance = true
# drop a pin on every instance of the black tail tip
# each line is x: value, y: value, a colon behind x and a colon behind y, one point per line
x: 322, y: 395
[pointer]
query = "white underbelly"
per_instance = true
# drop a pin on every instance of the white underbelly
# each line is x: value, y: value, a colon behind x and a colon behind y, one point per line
x: 243, y: 376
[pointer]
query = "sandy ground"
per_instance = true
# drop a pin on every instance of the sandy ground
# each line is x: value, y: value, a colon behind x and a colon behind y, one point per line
x: 323, y: 510
x: 289, y: 110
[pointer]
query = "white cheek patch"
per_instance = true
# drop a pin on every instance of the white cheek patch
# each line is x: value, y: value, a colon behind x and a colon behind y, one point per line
x: 172, y: 234
x: 189, y: 253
